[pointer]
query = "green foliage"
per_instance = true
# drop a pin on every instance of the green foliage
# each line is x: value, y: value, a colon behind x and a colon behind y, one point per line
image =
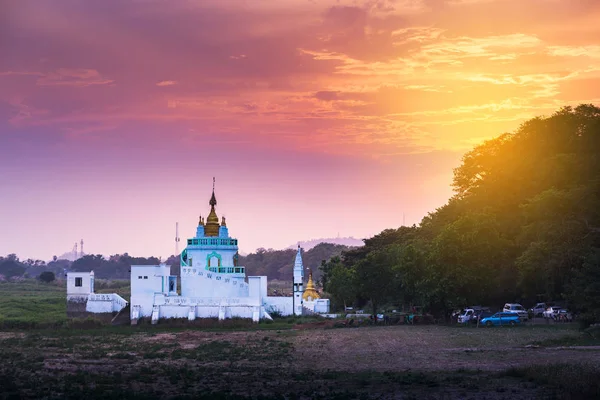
x: 116, y: 267
x: 11, y: 267
x: 339, y: 282
x: 524, y: 225
x: 584, y: 288
x: 47, y: 276
x: 32, y: 304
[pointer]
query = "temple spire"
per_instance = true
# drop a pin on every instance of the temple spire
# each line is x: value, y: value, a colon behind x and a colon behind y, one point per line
x: 213, y: 199
x: 211, y: 228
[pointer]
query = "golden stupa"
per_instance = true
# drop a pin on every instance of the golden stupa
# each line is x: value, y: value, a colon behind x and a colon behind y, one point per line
x: 310, y: 293
x: 211, y: 228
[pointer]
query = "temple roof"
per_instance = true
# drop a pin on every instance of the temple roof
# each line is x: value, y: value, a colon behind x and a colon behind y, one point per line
x: 310, y: 290
x: 211, y: 228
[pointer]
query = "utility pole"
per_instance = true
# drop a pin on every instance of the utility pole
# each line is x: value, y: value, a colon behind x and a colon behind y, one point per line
x: 177, y: 238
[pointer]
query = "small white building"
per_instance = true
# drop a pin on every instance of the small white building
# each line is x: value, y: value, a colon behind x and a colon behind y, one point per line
x: 81, y: 298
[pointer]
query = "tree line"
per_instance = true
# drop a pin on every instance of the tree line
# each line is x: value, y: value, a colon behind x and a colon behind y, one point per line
x: 275, y: 264
x: 522, y: 226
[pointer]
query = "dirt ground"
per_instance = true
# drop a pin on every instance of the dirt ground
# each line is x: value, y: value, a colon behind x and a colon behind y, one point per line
x: 432, y: 348
x: 311, y: 362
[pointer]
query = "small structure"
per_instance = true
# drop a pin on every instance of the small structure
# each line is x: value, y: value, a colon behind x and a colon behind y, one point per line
x: 82, y: 301
x: 312, y: 300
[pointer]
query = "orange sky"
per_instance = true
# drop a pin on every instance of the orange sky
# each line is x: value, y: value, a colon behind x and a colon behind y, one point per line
x: 316, y: 117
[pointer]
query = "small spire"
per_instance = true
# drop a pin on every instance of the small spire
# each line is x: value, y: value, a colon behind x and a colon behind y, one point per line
x: 200, y: 221
x: 223, y: 221
x: 212, y: 222
x: 213, y: 199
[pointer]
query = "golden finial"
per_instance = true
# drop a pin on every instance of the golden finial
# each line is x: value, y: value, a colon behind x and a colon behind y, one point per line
x: 213, y: 199
x: 212, y: 222
x: 223, y: 221
x: 200, y: 221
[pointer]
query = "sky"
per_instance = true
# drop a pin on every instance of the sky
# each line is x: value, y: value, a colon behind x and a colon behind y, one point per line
x: 317, y: 118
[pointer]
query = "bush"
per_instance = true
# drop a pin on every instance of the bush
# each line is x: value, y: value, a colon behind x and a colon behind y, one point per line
x: 47, y: 276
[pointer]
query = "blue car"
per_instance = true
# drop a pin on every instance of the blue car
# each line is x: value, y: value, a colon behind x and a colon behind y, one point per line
x: 502, y: 318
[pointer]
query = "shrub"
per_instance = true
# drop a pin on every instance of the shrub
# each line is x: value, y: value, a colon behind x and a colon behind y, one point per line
x: 47, y: 276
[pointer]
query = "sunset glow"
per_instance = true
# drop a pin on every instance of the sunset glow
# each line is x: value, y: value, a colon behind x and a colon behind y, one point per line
x: 317, y: 118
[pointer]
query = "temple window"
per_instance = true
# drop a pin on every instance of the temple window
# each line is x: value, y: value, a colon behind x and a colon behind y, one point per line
x: 78, y: 282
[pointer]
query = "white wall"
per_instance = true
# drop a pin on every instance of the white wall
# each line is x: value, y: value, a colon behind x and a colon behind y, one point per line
x: 105, y: 303
x: 199, y: 256
x: 319, y: 306
x: 100, y: 305
x: 257, y: 287
x: 146, y: 281
x: 282, y: 305
x: 201, y: 283
x: 86, y: 287
x: 322, y: 306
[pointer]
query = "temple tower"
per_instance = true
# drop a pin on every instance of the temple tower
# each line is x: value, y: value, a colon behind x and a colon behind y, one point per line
x: 298, y: 282
x: 211, y: 251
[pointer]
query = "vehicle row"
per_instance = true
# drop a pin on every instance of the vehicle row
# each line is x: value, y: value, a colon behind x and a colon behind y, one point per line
x: 481, y: 315
x: 554, y: 312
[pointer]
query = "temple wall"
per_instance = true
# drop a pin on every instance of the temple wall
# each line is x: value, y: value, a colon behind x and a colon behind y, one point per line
x: 281, y: 305
x: 200, y: 256
x: 197, y: 282
x: 319, y: 306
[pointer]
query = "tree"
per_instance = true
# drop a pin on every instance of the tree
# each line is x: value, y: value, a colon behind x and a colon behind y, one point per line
x: 47, y: 276
x: 11, y: 267
x: 524, y: 221
x: 376, y: 278
x: 584, y: 290
x: 339, y: 282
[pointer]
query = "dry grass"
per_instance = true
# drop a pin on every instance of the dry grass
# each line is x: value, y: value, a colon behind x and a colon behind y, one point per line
x: 398, y: 348
x: 372, y: 362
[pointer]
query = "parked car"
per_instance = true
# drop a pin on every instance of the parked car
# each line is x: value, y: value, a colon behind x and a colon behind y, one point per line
x: 482, y: 315
x: 538, y: 309
x: 551, y: 312
x: 466, y: 316
x: 502, y: 318
x: 516, y: 309
x: 472, y: 314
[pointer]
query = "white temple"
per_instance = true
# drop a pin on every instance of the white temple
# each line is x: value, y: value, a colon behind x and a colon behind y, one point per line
x: 213, y: 285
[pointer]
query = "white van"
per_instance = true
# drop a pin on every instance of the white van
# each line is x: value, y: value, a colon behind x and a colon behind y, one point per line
x: 516, y: 309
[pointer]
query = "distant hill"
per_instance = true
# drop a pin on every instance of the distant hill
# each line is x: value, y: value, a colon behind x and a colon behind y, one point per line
x: 344, y: 241
x: 279, y: 264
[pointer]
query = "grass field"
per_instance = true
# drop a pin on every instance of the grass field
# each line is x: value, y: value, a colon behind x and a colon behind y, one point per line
x: 34, y: 304
x: 239, y: 360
